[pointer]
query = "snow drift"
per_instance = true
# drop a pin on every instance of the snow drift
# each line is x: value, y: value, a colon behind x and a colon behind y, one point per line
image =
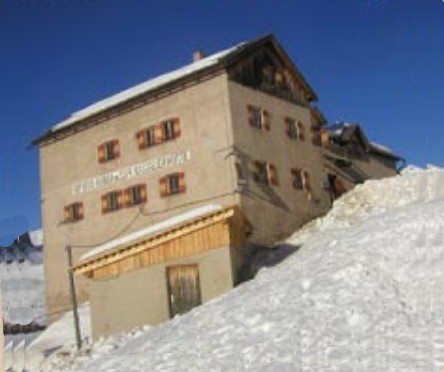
x: 363, y: 293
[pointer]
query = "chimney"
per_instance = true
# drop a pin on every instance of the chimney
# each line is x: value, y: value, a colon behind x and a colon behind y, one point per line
x: 198, y: 55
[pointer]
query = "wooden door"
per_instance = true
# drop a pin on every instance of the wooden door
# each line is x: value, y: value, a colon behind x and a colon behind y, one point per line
x: 183, y: 288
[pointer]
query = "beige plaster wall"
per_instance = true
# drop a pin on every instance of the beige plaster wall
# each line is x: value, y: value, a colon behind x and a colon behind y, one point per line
x: 205, y: 132
x: 276, y: 211
x: 140, y: 297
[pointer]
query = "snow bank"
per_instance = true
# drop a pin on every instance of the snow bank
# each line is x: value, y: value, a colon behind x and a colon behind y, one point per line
x: 364, y: 293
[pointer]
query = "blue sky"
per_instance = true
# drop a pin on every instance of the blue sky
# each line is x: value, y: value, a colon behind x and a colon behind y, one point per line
x: 377, y: 62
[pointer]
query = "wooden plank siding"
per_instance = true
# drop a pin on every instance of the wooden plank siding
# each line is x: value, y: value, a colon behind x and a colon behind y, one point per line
x: 223, y: 228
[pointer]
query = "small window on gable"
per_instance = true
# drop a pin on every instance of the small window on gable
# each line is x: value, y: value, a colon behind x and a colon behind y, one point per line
x: 170, y: 129
x: 265, y: 173
x: 74, y: 212
x: 172, y: 184
x: 295, y: 129
x: 258, y: 118
x: 112, y: 201
x: 108, y: 151
x: 135, y: 195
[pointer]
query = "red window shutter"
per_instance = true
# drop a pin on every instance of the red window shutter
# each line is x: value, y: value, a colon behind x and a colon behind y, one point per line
x: 182, y: 185
x: 163, y: 187
x: 116, y: 148
x: 265, y: 119
x: 143, y: 193
x: 176, y: 127
x: 101, y: 153
x: 141, y: 139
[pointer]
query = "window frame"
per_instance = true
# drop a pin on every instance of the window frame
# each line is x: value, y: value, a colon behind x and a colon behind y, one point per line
x: 258, y: 117
x: 112, y: 201
x: 74, y: 212
x: 177, y: 179
x: 108, y: 150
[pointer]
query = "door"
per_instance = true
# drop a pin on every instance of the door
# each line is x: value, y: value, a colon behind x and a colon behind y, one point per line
x: 183, y: 288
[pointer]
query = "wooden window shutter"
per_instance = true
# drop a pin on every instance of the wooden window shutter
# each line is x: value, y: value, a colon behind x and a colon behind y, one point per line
x: 306, y: 180
x: 116, y: 148
x: 105, y: 203
x: 272, y: 174
x: 300, y: 131
x: 143, y: 193
x: 101, y: 153
x: 126, y: 198
x: 67, y: 213
x: 265, y: 116
x: 182, y: 185
x: 176, y: 127
x: 80, y: 211
x: 163, y: 187
x: 158, y: 134
x: 120, y: 199
x: 141, y: 139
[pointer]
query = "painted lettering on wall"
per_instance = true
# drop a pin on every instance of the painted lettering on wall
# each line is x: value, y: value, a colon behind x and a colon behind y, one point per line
x: 129, y: 172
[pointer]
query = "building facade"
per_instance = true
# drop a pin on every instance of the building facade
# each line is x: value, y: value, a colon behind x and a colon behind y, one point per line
x: 235, y: 128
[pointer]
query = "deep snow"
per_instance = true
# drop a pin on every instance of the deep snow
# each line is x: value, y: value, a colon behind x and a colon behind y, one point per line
x: 363, y: 293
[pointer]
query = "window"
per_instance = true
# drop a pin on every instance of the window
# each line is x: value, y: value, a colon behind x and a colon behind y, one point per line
x: 240, y: 172
x: 172, y: 184
x: 295, y: 129
x: 74, y: 212
x: 265, y: 173
x: 112, y: 201
x: 297, y: 179
x: 170, y: 129
x: 258, y: 118
x: 135, y: 195
x: 165, y: 131
x: 325, y: 138
x: 108, y: 151
x: 301, y: 179
x: 148, y: 137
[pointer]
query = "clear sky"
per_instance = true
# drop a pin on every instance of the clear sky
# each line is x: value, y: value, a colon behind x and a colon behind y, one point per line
x: 376, y: 62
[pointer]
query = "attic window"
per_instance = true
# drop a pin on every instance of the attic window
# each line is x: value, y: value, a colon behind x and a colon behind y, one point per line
x: 258, y: 118
x: 295, y: 129
x: 74, y: 212
x: 108, y: 151
x: 265, y: 173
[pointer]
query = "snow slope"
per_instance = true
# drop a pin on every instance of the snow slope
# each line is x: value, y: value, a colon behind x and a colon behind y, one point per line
x: 363, y: 293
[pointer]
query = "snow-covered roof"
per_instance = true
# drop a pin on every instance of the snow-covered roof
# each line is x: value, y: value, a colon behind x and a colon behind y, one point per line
x: 145, y: 87
x: 153, y: 229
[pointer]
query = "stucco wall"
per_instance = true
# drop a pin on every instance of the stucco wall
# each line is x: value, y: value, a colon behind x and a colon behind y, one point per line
x: 141, y: 297
x: 205, y: 132
x: 276, y: 211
